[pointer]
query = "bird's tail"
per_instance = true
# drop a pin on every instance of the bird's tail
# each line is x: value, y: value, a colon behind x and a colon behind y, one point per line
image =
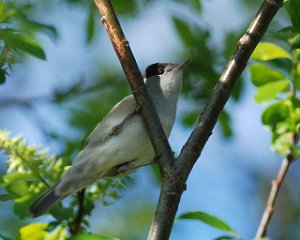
x: 45, y: 202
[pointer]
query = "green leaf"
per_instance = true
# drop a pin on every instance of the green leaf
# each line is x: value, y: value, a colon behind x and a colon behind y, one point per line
x: 26, y: 44
x: 88, y: 236
x: 276, y: 113
x: 225, y: 238
x: 261, y: 74
x: 50, y: 30
x: 292, y: 7
x: 184, y: 31
x: 58, y: 234
x: 196, y: 4
x: 225, y: 122
x: 295, y: 42
x: 290, y: 29
x: 16, y: 176
x: 269, y: 51
x: 282, y: 144
x: 19, y: 188
x: 209, y: 220
x: 269, y: 91
x: 34, y: 231
x: 90, y: 25
x: 61, y: 214
x: 5, y: 14
x: 2, y: 75
x: 8, y: 197
x: 190, y: 118
x: 129, y: 9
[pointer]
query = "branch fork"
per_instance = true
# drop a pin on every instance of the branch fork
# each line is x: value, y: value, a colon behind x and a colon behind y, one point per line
x: 175, y: 173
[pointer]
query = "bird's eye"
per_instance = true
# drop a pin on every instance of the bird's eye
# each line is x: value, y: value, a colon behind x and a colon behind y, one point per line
x: 161, y: 71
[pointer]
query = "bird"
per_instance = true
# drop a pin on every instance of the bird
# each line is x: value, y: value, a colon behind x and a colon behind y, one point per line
x: 119, y: 144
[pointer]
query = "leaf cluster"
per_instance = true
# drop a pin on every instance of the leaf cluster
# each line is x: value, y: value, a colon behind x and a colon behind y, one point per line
x: 32, y: 171
x: 276, y: 74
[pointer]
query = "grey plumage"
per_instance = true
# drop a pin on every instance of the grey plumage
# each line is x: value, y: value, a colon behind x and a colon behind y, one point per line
x: 120, y: 144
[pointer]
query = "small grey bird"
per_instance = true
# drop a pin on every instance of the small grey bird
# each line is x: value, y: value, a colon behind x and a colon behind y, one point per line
x: 120, y: 143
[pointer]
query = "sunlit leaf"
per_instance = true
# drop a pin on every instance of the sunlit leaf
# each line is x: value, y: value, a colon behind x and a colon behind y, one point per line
x: 16, y: 176
x: 269, y: 51
x: 282, y: 144
x: 58, y: 234
x: 262, y: 74
x: 269, y: 91
x: 209, y: 220
x: 5, y: 13
x: 34, y: 231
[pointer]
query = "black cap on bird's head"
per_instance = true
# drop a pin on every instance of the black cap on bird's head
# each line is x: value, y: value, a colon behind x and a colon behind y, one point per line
x: 157, y: 69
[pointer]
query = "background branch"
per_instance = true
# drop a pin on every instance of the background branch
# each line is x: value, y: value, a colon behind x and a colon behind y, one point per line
x: 269, y: 210
x: 76, y: 224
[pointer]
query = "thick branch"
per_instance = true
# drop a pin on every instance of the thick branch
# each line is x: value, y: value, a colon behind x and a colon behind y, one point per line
x: 207, y: 120
x: 159, y: 140
x: 166, y: 211
x: 269, y: 210
x: 175, y: 174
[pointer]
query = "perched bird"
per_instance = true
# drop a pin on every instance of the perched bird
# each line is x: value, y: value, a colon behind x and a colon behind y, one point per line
x: 120, y: 143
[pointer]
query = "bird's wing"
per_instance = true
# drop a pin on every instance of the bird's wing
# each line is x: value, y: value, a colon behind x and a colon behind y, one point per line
x: 112, y: 123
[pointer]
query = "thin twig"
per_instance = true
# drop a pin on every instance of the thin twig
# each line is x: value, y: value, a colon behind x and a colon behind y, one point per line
x: 269, y: 210
x: 76, y: 224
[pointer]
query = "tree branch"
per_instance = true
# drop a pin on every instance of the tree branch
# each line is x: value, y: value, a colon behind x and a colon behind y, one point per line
x: 157, y: 136
x: 207, y: 120
x: 76, y: 224
x: 269, y: 210
x: 175, y: 174
x: 165, y: 213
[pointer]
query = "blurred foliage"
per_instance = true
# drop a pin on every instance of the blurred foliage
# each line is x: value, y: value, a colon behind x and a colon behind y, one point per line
x: 31, y: 170
x: 17, y: 36
x: 204, y: 70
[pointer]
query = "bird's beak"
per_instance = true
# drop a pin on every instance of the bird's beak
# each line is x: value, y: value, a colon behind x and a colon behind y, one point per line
x: 180, y: 66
